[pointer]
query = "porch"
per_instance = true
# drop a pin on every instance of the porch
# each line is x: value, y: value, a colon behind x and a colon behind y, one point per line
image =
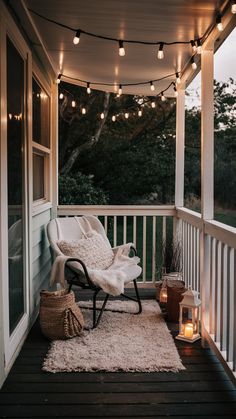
x: 208, y: 247
x: 202, y: 390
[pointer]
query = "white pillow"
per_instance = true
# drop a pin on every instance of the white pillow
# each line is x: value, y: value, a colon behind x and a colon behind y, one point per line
x: 92, y: 250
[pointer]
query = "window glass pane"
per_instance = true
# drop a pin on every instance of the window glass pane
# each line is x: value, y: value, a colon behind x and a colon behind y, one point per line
x: 41, y: 114
x: 38, y: 176
x: 192, y: 168
x: 225, y: 132
x: 15, y: 183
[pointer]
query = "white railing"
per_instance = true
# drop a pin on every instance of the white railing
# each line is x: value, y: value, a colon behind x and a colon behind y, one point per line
x: 209, y: 265
x: 146, y: 226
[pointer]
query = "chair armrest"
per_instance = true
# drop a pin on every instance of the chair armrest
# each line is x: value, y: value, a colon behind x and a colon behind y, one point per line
x: 83, y: 266
x: 125, y: 248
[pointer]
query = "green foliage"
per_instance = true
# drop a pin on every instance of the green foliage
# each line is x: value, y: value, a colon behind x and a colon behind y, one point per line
x: 79, y: 190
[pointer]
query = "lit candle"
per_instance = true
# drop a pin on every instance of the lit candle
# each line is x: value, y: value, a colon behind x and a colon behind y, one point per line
x: 188, y: 330
x: 163, y: 295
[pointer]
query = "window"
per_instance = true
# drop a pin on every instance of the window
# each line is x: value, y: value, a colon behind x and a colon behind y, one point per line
x: 41, y: 143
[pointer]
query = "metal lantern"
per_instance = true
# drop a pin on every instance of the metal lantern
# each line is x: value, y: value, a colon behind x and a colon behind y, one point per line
x: 189, y: 317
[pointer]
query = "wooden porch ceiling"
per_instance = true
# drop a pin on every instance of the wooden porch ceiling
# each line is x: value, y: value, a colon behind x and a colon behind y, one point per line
x: 97, y: 60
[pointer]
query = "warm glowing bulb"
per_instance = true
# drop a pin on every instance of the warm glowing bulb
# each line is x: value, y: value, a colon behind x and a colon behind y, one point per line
x: 102, y: 115
x: 88, y: 88
x: 83, y: 111
x: 178, y: 80
x: 58, y: 80
x: 233, y: 8
x: 194, y: 65
x: 219, y: 23
x: 153, y: 104
x: 10, y: 115
x: 73, y: 103
x: 140, y: 112
x: 113, y: 118
x: 76, y: 38
x: 126, y: 115
x: 120, y: 90
x: 193, y: 45
x: 61, y: 96
x: 175, y: 92
x: 160, y: 54
x: 163, y: 98
x: 152, y: 87
x: 121, y: 49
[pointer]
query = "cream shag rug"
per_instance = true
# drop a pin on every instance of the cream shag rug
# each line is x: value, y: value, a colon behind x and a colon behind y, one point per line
x: 121, y: 342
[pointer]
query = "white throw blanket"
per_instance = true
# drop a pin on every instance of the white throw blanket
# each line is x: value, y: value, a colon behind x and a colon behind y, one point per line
x: 113, y: 279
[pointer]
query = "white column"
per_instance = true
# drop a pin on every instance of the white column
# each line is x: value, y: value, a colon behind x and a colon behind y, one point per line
x: 207, y: 176
x: 54, y: 151
x: 207, y: 135
x: 179, y: 163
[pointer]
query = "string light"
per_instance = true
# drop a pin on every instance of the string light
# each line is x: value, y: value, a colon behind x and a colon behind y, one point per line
x: 120, y: 90
x: 178, y: 80
x: 61, y: 96
x: 126, y: 115
x: 160, y: 54
x: 121, y: 49
x: 140, y: 113
x: 153, y: 104
x: 219, y: 23
x: 163, y: 98
x: 58, y: 80
x: 113, y: 118
x: 88, y: 88
x: 102, y: 116
x: 193, y: 45
x: 175, y: 91
x: 199, y: 46
x: 194, y: 65
x: 77, y: 37
x: 73, y: 104
x: 83, y: 111
x: 233, y: 8
x: 152, y: 87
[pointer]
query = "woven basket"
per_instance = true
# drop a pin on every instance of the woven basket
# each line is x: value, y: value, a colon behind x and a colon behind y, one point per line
x: 60, y: 316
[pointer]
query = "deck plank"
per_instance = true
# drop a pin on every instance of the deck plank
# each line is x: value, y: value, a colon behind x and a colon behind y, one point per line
x: 202, y: 390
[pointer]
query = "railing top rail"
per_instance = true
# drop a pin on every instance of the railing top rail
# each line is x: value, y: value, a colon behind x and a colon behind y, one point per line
x: 222, y: 232
x: 132, y: 210
x: 191, y: 217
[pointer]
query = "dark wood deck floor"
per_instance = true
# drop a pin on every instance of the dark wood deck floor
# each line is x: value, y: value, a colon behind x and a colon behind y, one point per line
x: 203, y: 390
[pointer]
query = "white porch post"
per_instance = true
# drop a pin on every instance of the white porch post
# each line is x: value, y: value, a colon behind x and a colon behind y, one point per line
x: 54, y: 167
x: 179, y: 160
x: 207, y: 176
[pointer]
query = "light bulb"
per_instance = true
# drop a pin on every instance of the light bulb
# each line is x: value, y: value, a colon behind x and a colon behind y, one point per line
x: 73, y: 103
x: 152, y: 87
x: 58, y: 80
x: 61, y: 96
x: 76, y: 37
x: 121, y: 49
x: 199, y: 47
x: 233, y: 8
x: 163, y: 98
x: 120, y: 90
x: 113, y: 118
x: 194, y: 65
x: 140, y: 112
x: 153, y: 104
x: 126, y: 115
x: 175, y: 92
x: 219, y: 23
x: 160, y: 54
x: 193, y: 45
x: 178, y: 78
x: 102, y: 115
x: 83, y: 111
x: 88, y: 88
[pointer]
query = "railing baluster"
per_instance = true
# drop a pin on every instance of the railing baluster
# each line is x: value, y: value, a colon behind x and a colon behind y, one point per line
x: 233, y: 274
x: 124, y: 229
x: 218, y: 307
x: 105, y: 223
x: 153, y: 248
x: 232, y: 305
x: 144, y: 247
x: 135, y: 231
x: 115, y: 231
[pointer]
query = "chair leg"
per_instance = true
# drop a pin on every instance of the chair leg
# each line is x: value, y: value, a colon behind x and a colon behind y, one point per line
x: 96, y: 321
x: 138, y: 297
x: 69, y: 289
